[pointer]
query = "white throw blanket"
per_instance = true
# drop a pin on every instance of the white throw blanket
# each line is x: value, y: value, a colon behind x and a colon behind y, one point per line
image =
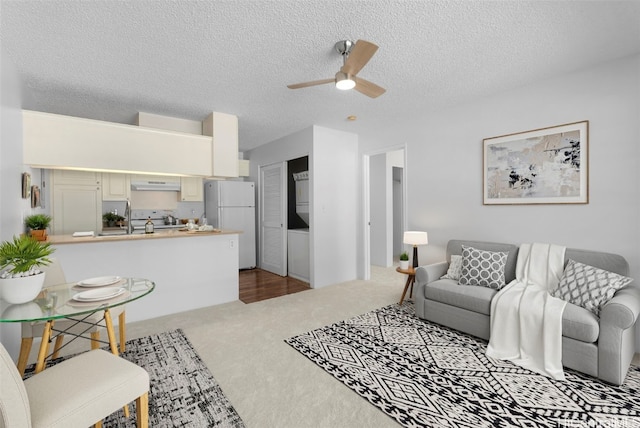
x: 526, y: 321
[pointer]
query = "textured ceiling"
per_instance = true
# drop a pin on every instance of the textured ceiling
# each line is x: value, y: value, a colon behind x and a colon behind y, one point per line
x: 110, y: 59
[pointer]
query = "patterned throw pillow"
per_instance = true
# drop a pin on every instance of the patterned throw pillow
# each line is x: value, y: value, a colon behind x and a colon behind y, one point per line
x: 455, y: 267
x: 484, y: 268
x: 588, y: 286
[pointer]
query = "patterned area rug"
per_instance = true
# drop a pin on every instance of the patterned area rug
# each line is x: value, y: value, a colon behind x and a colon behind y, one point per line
x: 425, y: 375
x: 183, y: 391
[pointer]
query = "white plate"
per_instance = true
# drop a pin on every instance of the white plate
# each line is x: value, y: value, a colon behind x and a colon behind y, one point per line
x: 98, y: 294
x: 99, y: 281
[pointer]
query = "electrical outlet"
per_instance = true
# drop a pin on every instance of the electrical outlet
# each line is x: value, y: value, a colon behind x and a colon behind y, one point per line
x: 232, y: 243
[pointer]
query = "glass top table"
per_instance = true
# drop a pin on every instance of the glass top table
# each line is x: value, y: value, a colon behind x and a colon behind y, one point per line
x: 75, y: 302
x: 58, y: 301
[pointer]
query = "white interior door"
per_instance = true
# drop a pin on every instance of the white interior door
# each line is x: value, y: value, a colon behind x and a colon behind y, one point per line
x: 273, y: 209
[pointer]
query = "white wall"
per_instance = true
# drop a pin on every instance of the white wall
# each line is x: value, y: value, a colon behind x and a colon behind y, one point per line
x: 383, y: 211
x: 333, y: 192
x: 444, y: 164
x: 286, y: 148
x: 378, y: 203
x: 11, y: 167
x: 12, y: 206
x: 334, y: 203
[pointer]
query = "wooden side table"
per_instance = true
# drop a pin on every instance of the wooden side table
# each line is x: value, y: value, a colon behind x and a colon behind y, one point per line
x: 411, y: 278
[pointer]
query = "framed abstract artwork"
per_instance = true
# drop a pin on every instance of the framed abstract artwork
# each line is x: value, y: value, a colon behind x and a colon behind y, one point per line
x: 543, y: 166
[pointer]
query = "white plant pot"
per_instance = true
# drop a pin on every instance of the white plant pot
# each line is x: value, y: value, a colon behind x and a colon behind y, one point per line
x: 21, y: 290
x: 404, y: 264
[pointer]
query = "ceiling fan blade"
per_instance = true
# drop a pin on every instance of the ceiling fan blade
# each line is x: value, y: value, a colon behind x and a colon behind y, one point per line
x: 369, y: 89
x: 314, y: 83
x: 359, y: 56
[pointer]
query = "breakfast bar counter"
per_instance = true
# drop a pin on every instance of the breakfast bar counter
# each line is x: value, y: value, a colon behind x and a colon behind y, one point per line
x: 190, y: 270
x: 163, y: 234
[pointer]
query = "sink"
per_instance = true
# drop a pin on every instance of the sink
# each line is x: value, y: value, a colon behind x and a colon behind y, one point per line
x: 113, y: 233
x: 119, y: 233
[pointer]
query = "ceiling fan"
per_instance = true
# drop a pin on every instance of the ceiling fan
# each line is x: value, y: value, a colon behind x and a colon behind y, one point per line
x: 355, y: 56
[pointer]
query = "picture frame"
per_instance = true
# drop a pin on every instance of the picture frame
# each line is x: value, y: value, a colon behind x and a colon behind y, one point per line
x: 541, y: 166
x: 26, y: 185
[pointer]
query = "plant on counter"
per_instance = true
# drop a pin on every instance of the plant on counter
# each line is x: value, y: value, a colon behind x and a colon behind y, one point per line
x: 38, y: 223
x: 23, y: 255
x: 20, y: 280
x: 111, y: 219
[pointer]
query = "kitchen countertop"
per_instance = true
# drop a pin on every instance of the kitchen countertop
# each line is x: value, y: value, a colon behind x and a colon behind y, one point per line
x: 162, y: 234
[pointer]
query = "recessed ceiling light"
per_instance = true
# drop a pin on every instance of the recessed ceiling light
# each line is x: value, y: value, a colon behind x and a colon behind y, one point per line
x: 352, y: 118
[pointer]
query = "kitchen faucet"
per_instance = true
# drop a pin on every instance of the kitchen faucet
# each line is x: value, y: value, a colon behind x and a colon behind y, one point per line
x: 127, y: 213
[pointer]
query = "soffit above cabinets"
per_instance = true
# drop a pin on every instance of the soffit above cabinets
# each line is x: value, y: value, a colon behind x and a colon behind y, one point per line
x: 221, y: 127
x: 58, y: 142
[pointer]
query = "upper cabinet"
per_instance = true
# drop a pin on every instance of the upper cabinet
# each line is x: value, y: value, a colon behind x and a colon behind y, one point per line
x: 116, y: 187
x: 243, y: 168
x: 75, y: 177
x: 191, y: 189
x: 57, y: 141
x: 224, y: 130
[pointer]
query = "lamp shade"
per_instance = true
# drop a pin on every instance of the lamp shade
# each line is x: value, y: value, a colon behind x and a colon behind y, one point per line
x: 415, y: 238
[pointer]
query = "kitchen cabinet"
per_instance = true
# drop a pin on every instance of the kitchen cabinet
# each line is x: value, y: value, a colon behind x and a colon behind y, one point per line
x: 191, y: 189
x: 81, y: 178
x: 243, y: 168
x: 224, y: 130
x: 116, y: 187
x: 76, y: 205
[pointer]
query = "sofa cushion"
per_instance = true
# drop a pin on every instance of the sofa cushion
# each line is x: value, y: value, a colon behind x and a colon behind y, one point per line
x: 472, y: 298
x: 580, y: 324
x: 455, y: 268
x: 454, y: 246
x: 588, y: 286
x: 484, y: 268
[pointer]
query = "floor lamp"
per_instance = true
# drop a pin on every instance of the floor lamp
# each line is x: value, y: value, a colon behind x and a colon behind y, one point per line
x: 415, y: 238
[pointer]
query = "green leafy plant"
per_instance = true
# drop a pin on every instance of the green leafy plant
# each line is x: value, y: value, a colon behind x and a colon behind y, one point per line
x: 111, y: 217
x: 37, y: 221
x: 404, y: 256
x: 24, y: 254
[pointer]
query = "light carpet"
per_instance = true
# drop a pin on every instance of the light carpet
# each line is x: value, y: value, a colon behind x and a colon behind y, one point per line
x: 422, y: 374
x: 183, y: 392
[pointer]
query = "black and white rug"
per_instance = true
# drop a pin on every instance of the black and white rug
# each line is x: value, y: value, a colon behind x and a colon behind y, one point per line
x: 183, y: 391
x: 425, y: 375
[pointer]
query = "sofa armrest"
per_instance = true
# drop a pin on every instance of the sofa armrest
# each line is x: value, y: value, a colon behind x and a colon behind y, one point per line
x: 429, y: 273
x: 623, y: 309
x: 616, y: 343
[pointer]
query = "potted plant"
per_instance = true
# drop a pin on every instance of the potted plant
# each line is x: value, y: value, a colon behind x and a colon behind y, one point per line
x: 404, y: 260
x: 112, y: 220
x: 37, y: 224
x: 20, y: 280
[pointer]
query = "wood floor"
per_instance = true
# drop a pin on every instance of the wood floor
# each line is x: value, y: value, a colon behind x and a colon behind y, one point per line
x: 257, y: 285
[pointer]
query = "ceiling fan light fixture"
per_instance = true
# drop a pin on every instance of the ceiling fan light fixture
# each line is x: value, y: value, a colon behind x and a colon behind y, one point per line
x: 345, y: 81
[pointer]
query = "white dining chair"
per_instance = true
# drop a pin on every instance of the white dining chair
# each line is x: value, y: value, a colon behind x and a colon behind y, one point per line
x: 77, y: 392
x: 54, y: 275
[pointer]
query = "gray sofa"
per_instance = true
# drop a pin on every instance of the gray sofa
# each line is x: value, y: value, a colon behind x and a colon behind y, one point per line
x: 601, y: 347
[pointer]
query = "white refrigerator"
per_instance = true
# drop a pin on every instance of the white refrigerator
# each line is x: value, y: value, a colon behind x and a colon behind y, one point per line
x: 230, y: 205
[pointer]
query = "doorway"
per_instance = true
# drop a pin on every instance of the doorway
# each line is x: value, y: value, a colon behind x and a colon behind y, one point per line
x: 384, y: 207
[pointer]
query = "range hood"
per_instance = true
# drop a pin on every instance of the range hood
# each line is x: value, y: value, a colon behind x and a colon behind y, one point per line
x: 157, y: 185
